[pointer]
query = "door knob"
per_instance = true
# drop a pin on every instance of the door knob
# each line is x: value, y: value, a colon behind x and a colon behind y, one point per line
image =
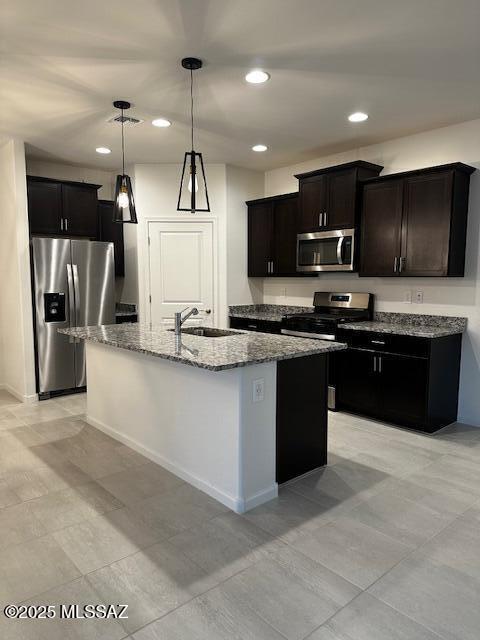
x: 208, y: 311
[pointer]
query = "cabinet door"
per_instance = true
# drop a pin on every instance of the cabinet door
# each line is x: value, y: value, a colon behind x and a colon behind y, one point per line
x: 80, y: 210
x: 357, y: 381
x: 110, y: 231
x: 426, y: 224
x: 312, y: 203
x: 260, y: 239
x: 341, y: 200
x: 404, y: 381
x: 285, y: 237
x: 44, y: 207
x: 381, y: 228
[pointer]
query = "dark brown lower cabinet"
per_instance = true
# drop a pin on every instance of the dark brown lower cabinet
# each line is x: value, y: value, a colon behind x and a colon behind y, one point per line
x: 412, y: 382
x: 265, y: 326
x: 301, y: 416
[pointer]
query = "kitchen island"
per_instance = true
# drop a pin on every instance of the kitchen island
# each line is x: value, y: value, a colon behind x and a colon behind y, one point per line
x: 232, y: 412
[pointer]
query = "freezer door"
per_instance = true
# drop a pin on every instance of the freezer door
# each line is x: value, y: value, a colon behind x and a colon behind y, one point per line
x: 94, y: 280
x: 53, y: 299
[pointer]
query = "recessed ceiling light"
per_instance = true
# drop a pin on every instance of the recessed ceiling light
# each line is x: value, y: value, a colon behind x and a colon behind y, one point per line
x: 161, y: 122
x: 257, y: 76
x: 104, y: 150
x: 259, y: 147
x: 358, y: 116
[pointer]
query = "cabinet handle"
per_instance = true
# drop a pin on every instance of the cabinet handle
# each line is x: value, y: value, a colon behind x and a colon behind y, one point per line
x: 272, y: 269
x: 66, y: 224
x: 395, y: 264
x: 377, y: 341
x: 401, y: 264
x: 379, y: 364
x: 252, y: 326
x: 325, y: 219
x: 61, y: 224
x: 374, y: 364
x: 320, y: 218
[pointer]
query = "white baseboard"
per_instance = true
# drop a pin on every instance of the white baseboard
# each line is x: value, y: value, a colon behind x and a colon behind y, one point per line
x: 19, y: 396
x: 260, y: 498
x: 235, y: 503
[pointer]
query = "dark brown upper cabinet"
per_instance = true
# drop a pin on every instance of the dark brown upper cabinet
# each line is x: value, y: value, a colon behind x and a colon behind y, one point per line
x: 415, y: 223
x: 62, y: 208
x: 44, y: 206
x: 110, y: 231
x: 272, y: 236
x: 329, y: 198
x: 80, y: 212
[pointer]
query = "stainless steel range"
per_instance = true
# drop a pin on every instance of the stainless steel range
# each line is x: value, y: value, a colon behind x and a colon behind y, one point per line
x: 331, y: 311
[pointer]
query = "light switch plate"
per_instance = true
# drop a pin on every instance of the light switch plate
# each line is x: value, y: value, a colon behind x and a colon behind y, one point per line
x: 419, y: 297
x: 258, y: 390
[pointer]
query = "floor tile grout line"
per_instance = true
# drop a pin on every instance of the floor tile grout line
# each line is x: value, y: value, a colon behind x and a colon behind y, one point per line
x: 202, y: 594
x: 363, y: 592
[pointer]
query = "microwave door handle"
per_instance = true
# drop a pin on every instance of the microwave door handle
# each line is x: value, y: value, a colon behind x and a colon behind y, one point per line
x: 340, y: 249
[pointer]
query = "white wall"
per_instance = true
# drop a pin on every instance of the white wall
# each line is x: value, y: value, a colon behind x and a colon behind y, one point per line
x: 156, y: 193
x: 242, y: 185
x: 16, y: 325
x: 60, y: 171
x: 449, y: 296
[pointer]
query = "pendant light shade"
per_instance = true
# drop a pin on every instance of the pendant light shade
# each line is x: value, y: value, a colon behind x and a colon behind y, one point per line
x: 124, y: 204
x: 193, y: 194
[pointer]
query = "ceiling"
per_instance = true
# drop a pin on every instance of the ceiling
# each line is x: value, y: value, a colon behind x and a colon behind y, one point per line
x: 412, y: 65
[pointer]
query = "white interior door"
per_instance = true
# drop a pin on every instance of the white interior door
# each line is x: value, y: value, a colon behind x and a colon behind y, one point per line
x: 181, y: 265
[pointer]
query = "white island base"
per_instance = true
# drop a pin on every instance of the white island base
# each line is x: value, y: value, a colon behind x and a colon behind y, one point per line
x: 201, y: 425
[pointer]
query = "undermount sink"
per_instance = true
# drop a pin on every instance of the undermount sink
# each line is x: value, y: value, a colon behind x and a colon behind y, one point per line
x: 207, y: 332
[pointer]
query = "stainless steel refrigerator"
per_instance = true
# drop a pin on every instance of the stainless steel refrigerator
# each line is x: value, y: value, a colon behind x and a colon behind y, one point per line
x: 74, y: 286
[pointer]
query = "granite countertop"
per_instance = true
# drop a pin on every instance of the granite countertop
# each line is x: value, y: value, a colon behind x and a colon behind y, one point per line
x: 268, y: 312
x: 215, y: 354
x: 411, y: 324
x: 404, y: 324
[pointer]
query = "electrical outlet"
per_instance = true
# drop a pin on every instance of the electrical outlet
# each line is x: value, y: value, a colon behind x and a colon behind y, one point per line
x: 419, y: 297
x: 407, y: 296
x: 258, y: 390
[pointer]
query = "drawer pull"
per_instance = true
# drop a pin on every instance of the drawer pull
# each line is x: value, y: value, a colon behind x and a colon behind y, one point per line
x: 252, y: 326
x: 377, y: 341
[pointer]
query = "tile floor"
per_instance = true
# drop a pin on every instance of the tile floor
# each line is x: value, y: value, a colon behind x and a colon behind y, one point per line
x: 383, y: 544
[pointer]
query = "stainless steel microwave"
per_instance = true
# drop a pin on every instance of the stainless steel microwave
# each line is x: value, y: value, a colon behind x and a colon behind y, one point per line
x: 326, y: 250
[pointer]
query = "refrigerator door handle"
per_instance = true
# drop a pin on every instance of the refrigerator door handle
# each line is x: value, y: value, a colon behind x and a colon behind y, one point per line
x: 76, y: 287
x: 71, y: 300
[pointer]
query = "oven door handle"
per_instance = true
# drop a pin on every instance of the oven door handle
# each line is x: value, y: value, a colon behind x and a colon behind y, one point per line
x: 340, y: 249
x: 306, y: 334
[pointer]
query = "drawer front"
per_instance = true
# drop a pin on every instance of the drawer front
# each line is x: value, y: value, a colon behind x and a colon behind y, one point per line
x: 386, y: 342
x: 263, y: 326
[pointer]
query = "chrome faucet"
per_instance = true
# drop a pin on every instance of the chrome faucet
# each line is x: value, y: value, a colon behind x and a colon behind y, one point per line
x: 179, y: 320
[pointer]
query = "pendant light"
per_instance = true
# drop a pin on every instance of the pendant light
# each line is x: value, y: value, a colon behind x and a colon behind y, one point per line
x: 124, y: 204
x: 193, y: 195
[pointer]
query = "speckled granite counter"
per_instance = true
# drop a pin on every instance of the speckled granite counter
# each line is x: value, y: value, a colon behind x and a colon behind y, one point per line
x: 216, y: 354
x: 410, y: 324
x: 405, y: 324
x: 268, y: 312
